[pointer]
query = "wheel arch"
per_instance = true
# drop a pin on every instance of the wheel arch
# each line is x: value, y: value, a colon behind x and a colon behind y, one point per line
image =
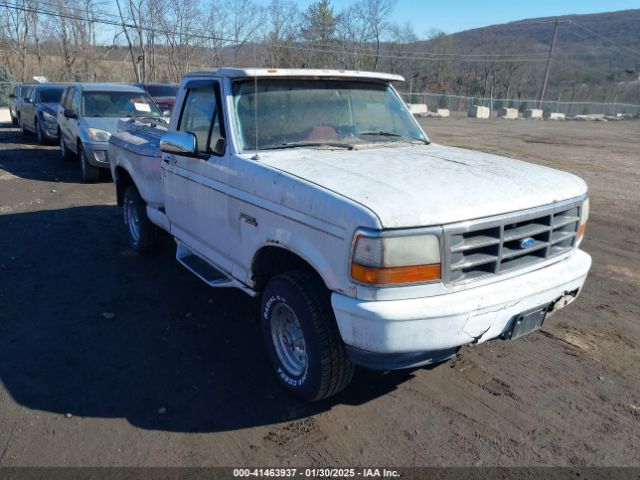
x: 122, y: 179
x: 272, y: 260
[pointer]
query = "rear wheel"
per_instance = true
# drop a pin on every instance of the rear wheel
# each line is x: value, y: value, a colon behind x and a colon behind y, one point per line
x: 302, y: 338
x: 14, y: 121
x: 89, y: 172
x: 142, y: 233
x: 22, y: 127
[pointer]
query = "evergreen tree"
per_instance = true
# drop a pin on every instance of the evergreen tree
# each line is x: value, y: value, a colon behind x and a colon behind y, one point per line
x: 6, y: 85
x: 319, y: 22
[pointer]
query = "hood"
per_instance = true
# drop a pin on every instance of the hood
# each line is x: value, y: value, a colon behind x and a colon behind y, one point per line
x: 108, y: 124
x: 431, y: 184
x: 52, y: 108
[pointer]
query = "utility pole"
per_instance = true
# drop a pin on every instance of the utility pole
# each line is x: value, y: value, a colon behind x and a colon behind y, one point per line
x: 546, y: 73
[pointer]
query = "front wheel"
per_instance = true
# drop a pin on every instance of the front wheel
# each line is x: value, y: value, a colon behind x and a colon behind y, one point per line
x: 142, y: 232
x: 64, y: 151
x: 40, y: 136
x: 14, y: 121
x: 302, y: 338
x: 89, y: 172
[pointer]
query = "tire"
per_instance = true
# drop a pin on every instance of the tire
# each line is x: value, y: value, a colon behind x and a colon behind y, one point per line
x: 89, y: 173
x: 14, y: 121
x: 301, y: 337
x: 64, y: 151
x: 142, y: 233
x: 23, y: 130
x: 40, y: 137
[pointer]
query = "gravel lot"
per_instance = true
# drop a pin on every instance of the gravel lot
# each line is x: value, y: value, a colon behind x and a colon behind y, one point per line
x: 178, y: 375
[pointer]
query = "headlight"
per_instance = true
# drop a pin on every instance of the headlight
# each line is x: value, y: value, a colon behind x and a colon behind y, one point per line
x: 48, y: 117
x: 98, y: 135
x: 392, y: 260
x: 584, y: 216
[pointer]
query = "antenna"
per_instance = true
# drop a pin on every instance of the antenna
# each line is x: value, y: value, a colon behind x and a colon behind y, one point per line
x: 255, y: 101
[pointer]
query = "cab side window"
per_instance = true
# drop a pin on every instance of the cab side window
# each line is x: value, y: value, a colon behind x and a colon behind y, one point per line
x: 75, y: 102
x: 67, y: 100
x: 201, y: 116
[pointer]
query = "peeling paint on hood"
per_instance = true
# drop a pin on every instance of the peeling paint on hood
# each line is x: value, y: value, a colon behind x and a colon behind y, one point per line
x: 421, y: 185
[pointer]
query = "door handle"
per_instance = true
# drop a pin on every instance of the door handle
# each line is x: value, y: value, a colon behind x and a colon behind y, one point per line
x: 169, y: 159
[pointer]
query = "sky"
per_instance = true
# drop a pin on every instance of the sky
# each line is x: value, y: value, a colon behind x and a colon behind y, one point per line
x: 457, y: 15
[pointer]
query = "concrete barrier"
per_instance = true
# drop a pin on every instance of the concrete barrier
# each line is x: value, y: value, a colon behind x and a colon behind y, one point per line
x: 598, y: 117
x: 556, y: 116
x: 443, y: 112
x: 479, y: 112
x: 5, y: 116
x: 533, y: 113
x: 417, y: 108
x: 508, y: 113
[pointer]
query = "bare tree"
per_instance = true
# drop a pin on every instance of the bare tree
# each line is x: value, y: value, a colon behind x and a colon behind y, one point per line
x: 283, y: 23
x: 352, y: 34
x: 181, y: 19
x: 374, y: 15
x: 245, y: 18
x: 16, y: 21
x: 73, y: 32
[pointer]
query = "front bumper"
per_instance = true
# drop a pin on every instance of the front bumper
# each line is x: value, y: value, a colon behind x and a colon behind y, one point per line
x: 96, y: 153
x: 50, y: 132
x: 444, y: 322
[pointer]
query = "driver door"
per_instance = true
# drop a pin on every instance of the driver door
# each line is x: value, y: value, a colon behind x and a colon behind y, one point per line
x: 194, y: 187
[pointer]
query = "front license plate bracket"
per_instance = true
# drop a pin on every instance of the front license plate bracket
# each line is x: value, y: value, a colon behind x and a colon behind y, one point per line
x: 526, y: 322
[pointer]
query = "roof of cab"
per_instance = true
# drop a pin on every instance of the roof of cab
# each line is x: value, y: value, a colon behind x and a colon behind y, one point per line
x: 296, y: 72
x: 107, y: 87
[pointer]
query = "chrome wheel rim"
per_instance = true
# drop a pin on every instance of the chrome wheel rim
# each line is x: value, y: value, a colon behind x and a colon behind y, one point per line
x: 288, y: 340
x: 132, y: 220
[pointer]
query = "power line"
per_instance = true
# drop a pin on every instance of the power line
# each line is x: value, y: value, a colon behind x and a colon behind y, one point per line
x: 118, y: 22
x: 427, y: 57
x: 633, y: 52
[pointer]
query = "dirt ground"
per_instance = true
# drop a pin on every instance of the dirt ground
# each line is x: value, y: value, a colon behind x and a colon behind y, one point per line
x: 178, y: 376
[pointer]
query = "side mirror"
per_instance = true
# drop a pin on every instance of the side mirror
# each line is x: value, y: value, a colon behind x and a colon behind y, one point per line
x: 69, y: 113
x: 166, y: 112
x: 179, y: 143
x: 26, y: 100
x: 12, y: 95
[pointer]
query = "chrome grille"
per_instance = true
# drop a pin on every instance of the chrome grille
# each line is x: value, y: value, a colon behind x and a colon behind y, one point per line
x: 494, y: 245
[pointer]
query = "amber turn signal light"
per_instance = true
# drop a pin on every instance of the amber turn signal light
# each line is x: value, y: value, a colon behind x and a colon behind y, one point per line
x: 395, y: 275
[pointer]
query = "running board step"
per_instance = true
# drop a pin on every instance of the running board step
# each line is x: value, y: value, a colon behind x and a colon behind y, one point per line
x: 201, y: 268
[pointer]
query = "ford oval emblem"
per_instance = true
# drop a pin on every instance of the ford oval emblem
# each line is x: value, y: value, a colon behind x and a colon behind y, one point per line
x: 527, y: 242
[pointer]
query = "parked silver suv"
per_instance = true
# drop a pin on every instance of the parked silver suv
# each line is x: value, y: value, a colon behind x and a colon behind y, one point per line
x: 87, y: 116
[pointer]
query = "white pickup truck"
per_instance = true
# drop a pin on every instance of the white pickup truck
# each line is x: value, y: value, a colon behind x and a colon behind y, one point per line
x: 368, y: 244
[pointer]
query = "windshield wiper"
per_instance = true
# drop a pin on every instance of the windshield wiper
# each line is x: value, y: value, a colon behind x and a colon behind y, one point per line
x: 348, y: 146
x: 382, y: 133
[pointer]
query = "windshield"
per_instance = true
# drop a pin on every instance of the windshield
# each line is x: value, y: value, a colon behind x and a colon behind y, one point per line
x: 118, y: 104
x: 50, y: 95
x: 162, y: 90
x: 296, y: 112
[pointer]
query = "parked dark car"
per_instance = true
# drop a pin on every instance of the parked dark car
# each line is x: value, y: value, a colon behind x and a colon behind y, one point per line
x: 164, y: 94
x: 15, y: 101
x: 38, y: 112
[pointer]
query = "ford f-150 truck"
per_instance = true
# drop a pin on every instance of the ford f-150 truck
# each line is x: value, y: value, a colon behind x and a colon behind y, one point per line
x: 368, y: 244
